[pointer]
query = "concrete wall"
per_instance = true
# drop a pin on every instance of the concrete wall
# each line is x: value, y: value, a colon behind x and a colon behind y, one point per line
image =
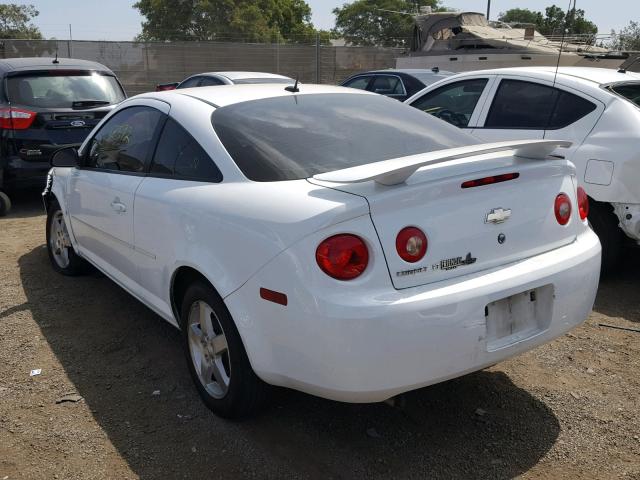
x: 140, y: 66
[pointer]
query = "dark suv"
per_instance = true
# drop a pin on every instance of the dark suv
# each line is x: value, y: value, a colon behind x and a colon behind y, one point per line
x: 45, y: 104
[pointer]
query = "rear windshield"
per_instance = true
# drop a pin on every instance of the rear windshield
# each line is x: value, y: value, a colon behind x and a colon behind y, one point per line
x: 298, y: 136
x: 242, y: 81
x: 61, y: 89
x: 630, y: 91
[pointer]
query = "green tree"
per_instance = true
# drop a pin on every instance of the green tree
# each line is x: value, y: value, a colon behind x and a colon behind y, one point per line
x: 226, y: 20
x: 15, y: 21
x: 553, y: 22
x: 386, y: 23
x: 628, y: 38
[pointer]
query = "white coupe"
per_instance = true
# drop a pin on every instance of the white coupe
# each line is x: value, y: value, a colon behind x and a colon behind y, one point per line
x: 597, y: 109
x: 324, y: 239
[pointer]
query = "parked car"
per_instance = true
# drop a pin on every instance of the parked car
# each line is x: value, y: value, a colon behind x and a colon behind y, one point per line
x: 225, y: 78
x: 398, y: 84
x: 46, y: 103
x: 324, y: 239
x: 595, y: 108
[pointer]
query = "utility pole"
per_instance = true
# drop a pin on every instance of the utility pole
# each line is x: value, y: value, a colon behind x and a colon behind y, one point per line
x: 70, y: 40
x: 488, y: 9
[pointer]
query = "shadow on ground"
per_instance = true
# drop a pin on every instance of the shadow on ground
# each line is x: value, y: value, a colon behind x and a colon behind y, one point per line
x: 619, y: 292
x: 116, y: 352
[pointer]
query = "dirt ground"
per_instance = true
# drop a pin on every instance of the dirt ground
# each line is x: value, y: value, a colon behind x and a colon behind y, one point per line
x: 566, y: 410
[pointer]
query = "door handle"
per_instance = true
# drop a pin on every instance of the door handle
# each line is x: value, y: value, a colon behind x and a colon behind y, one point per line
x: 118, y: 206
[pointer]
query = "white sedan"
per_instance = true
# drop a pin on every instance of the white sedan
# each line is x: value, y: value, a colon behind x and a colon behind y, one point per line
x: 324, y: 239
x: 597, y: 109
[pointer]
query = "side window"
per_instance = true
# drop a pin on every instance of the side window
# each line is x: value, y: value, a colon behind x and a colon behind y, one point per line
x: 453, y: 103
x: 190, y: 82
x: 210, y: 81
x: 125, y: 141
x: 387, y: 85
x: 569, y: 109
x: 180, y: 156
x: 520, y: 104
x: 359, y: 82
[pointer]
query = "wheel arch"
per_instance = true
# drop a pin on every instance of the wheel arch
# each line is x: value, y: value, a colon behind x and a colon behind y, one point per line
x: 182, y: 277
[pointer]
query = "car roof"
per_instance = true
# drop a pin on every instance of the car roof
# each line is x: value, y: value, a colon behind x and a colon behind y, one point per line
x: 592, y: 75
x: 411, y: 71
x: 223, y: 95
x: 39, y: 63
x: 242, y: 75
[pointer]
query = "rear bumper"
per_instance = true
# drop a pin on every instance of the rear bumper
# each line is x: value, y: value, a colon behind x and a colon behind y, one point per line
x: 367, y: 348
x: 19, y: 174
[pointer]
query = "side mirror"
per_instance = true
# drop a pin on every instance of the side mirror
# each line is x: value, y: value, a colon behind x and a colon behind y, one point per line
x: 65, y: 157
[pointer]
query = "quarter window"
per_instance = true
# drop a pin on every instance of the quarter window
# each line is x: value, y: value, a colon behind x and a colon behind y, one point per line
x: 532, y: 106
x: 179, y: 155
x: 190, y: 82
x: 125, y: 141
x: 453, y: 103
x: 210, y: 81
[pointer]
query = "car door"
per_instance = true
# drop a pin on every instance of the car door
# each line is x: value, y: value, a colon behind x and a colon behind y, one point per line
x: 101, y: 191
x: 458, y: 102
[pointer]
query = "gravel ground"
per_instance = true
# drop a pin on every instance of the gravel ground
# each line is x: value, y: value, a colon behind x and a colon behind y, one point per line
x: 565, y: 410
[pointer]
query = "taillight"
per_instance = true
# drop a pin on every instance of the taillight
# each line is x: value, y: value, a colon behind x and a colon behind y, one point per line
x: 583, y: 203
x: 16, y: 118
x: 343, y: 257
x: 411, y: 244
x: 562, y: 208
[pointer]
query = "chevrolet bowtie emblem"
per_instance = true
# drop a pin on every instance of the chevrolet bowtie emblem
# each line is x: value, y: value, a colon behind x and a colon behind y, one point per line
x: 498, y: 215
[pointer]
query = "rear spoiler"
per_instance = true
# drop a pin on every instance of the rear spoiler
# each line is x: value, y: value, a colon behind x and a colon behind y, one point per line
x: 398, y: 170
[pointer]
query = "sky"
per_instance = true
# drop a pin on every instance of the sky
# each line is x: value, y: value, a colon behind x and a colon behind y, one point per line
x: 117, y: 20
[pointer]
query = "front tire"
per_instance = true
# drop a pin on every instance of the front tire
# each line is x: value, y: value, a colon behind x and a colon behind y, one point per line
x: 61, y: 253
x: 605, y: 223
x: 217, y: 359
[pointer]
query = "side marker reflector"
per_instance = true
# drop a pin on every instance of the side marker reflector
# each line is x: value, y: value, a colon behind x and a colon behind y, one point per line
x: 272, y: 296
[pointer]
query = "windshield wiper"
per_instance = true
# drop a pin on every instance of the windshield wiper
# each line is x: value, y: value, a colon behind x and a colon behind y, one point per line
x: 88, y: 103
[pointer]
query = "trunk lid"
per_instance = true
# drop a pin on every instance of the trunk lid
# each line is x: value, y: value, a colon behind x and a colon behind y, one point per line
x: 462, y: 225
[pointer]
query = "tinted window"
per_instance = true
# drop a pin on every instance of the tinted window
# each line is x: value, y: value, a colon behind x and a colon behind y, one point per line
x: 298, y: 136
x: 359, y: 82
x: 387, y: 85
x: 630, y: 91
x: 190, y: 82
x: 569, y: 109
x: 125, y: 141
x: 179, y: 154
x: 453, y: 103
x: 519, y: 104
x: 60, y: 90
x: 210, y: 81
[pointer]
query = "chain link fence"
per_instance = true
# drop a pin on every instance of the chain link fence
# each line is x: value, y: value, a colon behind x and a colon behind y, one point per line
x: 140, y: 66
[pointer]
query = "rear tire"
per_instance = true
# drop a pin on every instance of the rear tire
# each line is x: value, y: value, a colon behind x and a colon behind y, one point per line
x: 61, y: 253
x: 5, y: 204
x: 605, y: 223
x: 216, y: 357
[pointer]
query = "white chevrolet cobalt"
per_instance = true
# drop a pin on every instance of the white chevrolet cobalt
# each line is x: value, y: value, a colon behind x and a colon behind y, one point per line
x: 324, y: 239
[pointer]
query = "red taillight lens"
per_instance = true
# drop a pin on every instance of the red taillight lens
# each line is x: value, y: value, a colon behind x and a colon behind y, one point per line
x: 583, y: 203
x: 562, y: 208
x: 411, y: 244
x: 16, y: 119
x: 343, y: 257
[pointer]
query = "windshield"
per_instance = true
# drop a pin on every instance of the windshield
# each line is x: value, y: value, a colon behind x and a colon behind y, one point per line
x: 242, y: 81
x: 298, y: 136
x: 630, y: 91
x: 64, y: 89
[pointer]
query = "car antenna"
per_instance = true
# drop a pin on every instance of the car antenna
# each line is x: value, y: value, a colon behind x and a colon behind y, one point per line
x: 55, y: 60
x: 293, y: 88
